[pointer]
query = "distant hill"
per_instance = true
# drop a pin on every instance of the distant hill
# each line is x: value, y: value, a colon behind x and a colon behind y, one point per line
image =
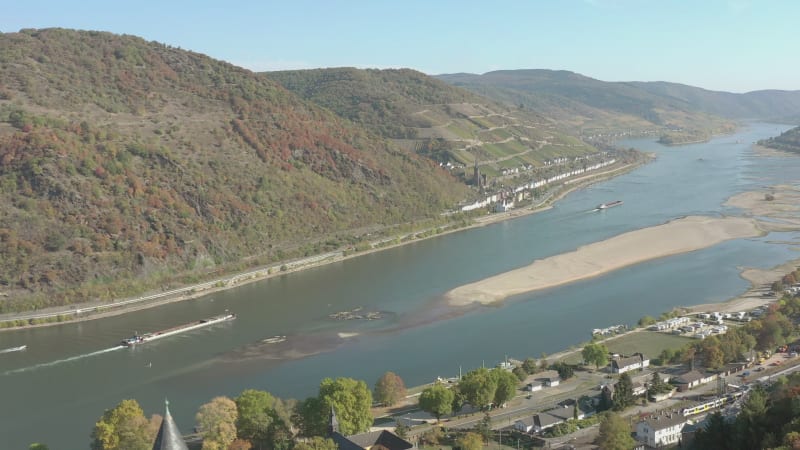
x: 764, y: 105
x: 788, y: 141
x: 446, y: 123
x: 127, y: 165
x: 588, y: 105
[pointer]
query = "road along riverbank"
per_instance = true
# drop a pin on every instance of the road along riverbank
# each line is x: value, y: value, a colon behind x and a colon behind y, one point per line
x: 102, y: 309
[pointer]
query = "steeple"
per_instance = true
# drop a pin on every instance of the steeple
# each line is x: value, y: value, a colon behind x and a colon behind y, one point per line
x: 169, y: 437
x: 333, y: 426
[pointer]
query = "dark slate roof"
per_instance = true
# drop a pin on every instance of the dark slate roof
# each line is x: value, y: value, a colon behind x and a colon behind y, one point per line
x: 169, y: 437
x: 365, y: 440
x: 543, y: 420
x: 663, y: 421
x: 620, y: 363
x: 527, y: 421
x: 562, y: 413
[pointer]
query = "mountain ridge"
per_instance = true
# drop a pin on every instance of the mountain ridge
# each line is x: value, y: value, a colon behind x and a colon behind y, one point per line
x: 585, y: 103
x: 127, y: 165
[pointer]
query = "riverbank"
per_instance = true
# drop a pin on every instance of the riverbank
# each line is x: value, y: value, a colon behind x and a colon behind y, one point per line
x: 98, y: 310
x: 675, y: 237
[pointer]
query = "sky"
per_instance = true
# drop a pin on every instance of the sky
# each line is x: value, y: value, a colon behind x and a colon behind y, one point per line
x: 729, y: 45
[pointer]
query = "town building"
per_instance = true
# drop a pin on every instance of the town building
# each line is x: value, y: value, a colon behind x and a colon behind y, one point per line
x: 661, y: 430
x: 636, y: 361
x: 380, y: 439
x: 692, y: 379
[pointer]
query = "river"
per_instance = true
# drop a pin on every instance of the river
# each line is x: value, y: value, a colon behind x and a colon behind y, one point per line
x: 55, y: 391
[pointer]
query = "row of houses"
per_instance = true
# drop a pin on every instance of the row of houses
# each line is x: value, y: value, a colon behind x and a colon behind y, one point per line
x: 670, y: 324
x: 494, y: 198
x: 614, y: 329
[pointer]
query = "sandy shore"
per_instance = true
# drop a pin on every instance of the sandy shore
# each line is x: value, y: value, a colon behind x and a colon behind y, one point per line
x: 783, y: 208
x: 679, y: 236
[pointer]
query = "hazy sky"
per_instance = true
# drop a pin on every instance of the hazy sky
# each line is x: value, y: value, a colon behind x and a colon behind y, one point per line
x: 734, y: 45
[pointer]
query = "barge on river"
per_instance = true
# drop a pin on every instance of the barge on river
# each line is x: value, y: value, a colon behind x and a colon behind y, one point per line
x: 147, y: 337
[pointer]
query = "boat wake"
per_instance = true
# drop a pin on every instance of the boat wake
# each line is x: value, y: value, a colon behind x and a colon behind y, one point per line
x: 61, y: 361
x: 14, y: 349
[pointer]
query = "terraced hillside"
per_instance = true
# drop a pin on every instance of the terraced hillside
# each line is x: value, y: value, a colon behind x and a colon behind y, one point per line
x: 455, y: 127
x: 593, y: 108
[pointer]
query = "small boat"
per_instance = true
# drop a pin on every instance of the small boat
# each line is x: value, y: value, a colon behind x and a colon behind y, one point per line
x: 609, y: 205
x: 14, y: 349
x: 274, y: 340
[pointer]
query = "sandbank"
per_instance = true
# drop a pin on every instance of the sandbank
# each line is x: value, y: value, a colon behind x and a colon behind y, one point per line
x: 675, y: 237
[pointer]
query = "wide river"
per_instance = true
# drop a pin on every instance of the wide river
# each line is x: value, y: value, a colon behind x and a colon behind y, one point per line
x: 56, y: 390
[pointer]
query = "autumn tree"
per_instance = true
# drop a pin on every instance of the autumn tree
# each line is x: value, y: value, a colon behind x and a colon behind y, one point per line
x: 217, y: 423
x: 316, y: 443
x: 478, y: 387
x: 350, y: 399
x: 437, y: 400
x: 470, y: 441
x: 506, y: 386
x: 529, y: 365
x: 389, y: 389
x: 596, y: 354
x: 123, y: 428
x: 615, y: 433
x: 263, y: 420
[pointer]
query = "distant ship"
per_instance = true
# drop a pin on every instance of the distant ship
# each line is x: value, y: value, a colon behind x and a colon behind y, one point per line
x: 609, y: 205
x: 147, y: 337
x: 14, y: 349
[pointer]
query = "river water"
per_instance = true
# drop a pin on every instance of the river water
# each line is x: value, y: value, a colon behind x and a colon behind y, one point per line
x: 55, y: 391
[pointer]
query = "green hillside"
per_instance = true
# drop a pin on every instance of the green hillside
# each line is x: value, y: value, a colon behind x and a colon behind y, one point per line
x: 788, y: 141
x: 448, y: 124
x: 127, y: 165
x: 594, y: 107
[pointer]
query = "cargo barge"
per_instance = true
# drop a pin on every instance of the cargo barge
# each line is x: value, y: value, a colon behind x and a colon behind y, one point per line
x: 147, y: 337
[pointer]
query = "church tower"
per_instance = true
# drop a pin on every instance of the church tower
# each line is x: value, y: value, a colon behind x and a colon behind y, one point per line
x: 169, y: 437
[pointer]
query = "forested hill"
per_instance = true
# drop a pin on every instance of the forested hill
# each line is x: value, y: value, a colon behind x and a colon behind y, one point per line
x: 446, y: 123
x: 383, y: 100
x: 127, y: 164
x: 787, y: 141
x: 587, y: 103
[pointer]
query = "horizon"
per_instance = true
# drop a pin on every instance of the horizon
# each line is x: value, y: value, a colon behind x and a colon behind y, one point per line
x: 720, y: 45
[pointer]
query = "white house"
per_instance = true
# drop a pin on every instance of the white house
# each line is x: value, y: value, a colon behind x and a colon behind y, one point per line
x: 661, y: 430
x: 535, y: 386
x: 634, y: 362
x: 537, y: 423
x: 552, y: 381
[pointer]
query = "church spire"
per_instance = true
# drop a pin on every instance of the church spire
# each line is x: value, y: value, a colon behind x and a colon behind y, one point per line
x: 169, y: 437
x: 333, y: 426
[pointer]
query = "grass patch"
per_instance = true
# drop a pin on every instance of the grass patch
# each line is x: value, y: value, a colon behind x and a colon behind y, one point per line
x: 649, y: 343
